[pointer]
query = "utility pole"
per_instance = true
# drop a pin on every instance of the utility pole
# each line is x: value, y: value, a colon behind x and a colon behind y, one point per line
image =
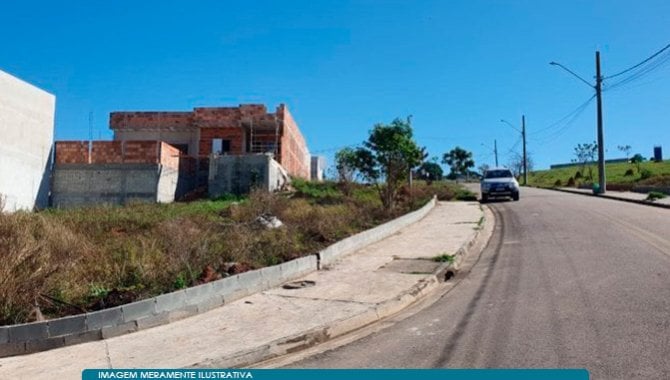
x: 601, y: 143
x: 525, y: 158
x: 495, y: 150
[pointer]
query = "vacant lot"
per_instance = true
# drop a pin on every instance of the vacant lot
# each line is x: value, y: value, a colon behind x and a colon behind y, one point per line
x: 61, y: 262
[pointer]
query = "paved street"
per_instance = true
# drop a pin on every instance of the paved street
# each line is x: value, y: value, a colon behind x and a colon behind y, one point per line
x: 566, y: 281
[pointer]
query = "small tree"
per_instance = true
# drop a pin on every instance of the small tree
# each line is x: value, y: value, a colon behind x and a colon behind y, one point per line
x: 430, y: 171
x: 459, y: 160
x: 345, y: 164
x: 516, y: 163
x: 637, y: 161
x: 625, y: 149
x: 386, y: 158
x: 586, y: 153
x: 482, y: 168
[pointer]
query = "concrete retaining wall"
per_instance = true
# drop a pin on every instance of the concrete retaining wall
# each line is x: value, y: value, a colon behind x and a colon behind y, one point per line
x: 26, y: 140
x: 238, y: 174
x: 95, y: 184
x: 163, y: 309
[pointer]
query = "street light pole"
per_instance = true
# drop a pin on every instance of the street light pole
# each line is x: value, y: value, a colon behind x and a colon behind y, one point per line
x: 601, y: 144
x: 495, y: 150
x: 525, y: 158
x: 602, y: 183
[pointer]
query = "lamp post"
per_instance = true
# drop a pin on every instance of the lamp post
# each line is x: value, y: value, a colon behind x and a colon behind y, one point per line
x: 523, y: 137
x: 602, y: 183
x: 495, y: 150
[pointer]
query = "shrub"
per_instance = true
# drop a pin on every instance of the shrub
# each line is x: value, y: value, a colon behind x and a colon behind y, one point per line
x: 629, y: 173
x: 645, y: 174
x: 654, y: 195
x: 578, y: 175
x: 571, y: 182
x: 558, y: 183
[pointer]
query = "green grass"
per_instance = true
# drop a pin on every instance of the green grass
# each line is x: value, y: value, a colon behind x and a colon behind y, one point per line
x: 659, y: 174
x: 445, y: 258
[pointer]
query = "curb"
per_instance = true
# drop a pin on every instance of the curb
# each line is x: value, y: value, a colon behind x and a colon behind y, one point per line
x: 380, y: 311
x: 606, y: 196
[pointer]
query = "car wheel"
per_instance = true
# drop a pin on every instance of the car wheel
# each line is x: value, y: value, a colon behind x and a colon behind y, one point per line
x: 485, y: 198
x: 515, y: 196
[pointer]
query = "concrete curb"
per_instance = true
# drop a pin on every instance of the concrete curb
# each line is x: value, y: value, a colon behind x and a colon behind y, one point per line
x: 163, y: 309
x: 606, y: 196
x: 380, y: 311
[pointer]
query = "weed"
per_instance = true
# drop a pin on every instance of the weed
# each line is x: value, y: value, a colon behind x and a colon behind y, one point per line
x: 655, y: 195
x: 445, y: 258
x: 112, y: 255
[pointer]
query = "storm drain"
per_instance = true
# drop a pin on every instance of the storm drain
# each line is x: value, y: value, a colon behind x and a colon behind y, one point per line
x: 299, y: 284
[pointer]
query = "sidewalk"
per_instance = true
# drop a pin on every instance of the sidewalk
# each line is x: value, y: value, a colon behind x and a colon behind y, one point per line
x: 376, y: 281
x: 626, y: 196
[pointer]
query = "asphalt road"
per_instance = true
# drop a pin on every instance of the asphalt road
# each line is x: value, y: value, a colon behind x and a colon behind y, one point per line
x: 565, y: 281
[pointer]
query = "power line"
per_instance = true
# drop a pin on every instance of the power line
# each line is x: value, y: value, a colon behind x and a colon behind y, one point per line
x: 563, y: 129
x: 641, y: 73
x: 639, y: 64
x: 570, y: 115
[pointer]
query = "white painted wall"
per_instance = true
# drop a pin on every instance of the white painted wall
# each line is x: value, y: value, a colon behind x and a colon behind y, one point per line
x: 26, y: 139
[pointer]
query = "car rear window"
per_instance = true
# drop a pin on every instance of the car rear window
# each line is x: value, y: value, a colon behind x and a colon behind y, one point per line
x: 498, y: 174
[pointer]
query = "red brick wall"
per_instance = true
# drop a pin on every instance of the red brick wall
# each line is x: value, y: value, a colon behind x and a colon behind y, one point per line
x: 294, y: 153
x: 235, y: 135
x: 71, y: 152
x: 117, y: 152
x: 149, y: 120
x: 226, y: 123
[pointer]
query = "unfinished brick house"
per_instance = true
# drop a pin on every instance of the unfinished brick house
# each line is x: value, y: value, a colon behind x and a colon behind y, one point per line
x: 164, y: 156
x: 247, y: 129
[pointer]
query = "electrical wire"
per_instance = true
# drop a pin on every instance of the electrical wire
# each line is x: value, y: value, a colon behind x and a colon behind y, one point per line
x: 568, y: 116
x: 662, y: 61
x: 639, y: 64
x: 566, y: 127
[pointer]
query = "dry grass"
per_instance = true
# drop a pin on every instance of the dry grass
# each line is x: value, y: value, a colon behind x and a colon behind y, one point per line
x: 69, y: 261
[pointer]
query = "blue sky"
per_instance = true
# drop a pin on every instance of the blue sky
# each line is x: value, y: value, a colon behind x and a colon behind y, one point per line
x: 457, y: 67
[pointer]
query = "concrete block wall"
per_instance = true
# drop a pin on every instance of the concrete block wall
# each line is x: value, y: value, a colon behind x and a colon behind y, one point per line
x: 238, y: 174
x: 45, y: 335
x: 144, y: 314
x: 26, y: 141
x: 75, y: 185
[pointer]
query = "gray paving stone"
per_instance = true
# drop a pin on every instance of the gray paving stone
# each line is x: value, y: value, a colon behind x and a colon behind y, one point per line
x: 153, y: 321
x: 124, y: 328
x: 67, y: 326
x: 11, y: 349
x: 225, y: 286
x: 198, y: 294
x: 88, y: 336
x: 103, y: 318
x: 140, y: 309
x: 45, y: 344
x: 210, y: 303
x: 170, y: 301
x: 184, y: 312
x: 4, y: 335
x: 29, y: 331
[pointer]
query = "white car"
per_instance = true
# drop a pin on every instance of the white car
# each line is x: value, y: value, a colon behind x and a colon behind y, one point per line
x: 499, y: 182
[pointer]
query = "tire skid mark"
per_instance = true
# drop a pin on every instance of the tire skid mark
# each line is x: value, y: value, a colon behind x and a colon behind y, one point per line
x: 453, y: 340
